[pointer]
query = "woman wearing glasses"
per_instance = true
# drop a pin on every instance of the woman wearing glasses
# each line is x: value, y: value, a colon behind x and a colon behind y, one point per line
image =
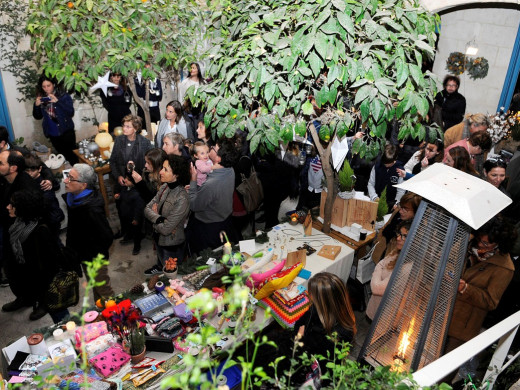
x: 495, y: 173
x: 384, y: 269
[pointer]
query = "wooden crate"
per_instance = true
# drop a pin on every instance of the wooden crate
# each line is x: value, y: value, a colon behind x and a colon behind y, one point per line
x: 339, y: 210
x: 363, y: 212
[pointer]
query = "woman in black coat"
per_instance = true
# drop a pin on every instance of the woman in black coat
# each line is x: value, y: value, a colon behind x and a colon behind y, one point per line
x: 117, y: 101
x: 34, y: 255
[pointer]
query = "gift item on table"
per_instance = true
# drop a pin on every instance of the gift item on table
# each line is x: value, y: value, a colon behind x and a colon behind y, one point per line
x: 145, y: 374
x: 255, y: 279
x: 170, y: 328
x: 253, y: 263
x: 179, y: 286
x: 183, y: 313
x: 197, y: 278
x: 62, y: 349
x: 17, y: 361
x: 286, y: 315
x: 102, y: 343
x: 147, y: 363
x: 279, y: 280
x: 290, y: 293
x: 89, y: 332
x: 31, y: 362
x: 37, y: 344
x: 75, y: 380
x: 109, y: 362
x: 155, y: 305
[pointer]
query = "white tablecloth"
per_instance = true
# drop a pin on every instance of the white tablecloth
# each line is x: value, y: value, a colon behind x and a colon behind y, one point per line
x: 291, y: 237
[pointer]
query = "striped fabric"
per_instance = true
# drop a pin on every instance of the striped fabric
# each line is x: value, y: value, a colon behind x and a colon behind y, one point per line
x: 286, y: 315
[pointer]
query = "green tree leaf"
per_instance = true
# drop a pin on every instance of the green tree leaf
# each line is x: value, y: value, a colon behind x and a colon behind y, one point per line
x: 321, y: 44
x: 377, y: 107
x: 347, y: 23
x: 362, y: 93
x: 307, y: 108
x: 316, y: 64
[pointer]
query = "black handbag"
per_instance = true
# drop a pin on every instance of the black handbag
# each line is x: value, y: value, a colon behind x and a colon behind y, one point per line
x: 63, y: 291
x: 252, y: 191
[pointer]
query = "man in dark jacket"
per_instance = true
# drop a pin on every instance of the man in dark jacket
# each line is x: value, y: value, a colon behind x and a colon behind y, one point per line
x: 88, y: 231
x: 451, y: 102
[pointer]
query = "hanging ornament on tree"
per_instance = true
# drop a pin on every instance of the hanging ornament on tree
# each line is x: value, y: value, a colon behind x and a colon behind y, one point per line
x: 103, y: 84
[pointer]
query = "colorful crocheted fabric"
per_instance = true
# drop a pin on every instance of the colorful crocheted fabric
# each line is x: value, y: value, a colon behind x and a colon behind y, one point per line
x: 284, y: 314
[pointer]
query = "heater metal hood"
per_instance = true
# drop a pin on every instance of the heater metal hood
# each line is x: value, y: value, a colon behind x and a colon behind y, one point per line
x: 469, y: 198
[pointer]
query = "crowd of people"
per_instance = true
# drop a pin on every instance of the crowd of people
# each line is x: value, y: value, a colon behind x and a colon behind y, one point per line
x: 182, y: 190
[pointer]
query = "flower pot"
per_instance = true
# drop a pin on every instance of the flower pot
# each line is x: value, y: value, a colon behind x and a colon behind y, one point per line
x: 170, y: 274
x: 347, y: 194
x: 138, y: 358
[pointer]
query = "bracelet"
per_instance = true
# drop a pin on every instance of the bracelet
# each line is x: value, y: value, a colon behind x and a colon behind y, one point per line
x: 465, y: 288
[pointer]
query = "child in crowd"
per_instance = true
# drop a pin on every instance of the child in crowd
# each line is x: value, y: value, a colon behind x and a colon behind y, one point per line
x: 53, y: 214
x: 385, y: 174
x: 203, y: 164
x: 132, y: 212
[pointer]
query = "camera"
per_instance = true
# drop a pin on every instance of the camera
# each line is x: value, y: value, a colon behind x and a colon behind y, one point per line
x: 130, y: 167
x: 45, y: 99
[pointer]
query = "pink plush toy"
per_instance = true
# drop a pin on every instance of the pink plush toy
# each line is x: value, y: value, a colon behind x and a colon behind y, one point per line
x: 255, y: 279
x: 177, y: 285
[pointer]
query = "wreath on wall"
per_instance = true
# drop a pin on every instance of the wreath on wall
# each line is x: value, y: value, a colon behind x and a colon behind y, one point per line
x: 477, y: 68
x: 455, y: 63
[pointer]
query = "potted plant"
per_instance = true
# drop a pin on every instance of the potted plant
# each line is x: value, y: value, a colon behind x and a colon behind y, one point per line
x: 347, y: 180
x: 382, y: 210
x: 170, y: 268
x: 125, y: 322
x: 137, y: 344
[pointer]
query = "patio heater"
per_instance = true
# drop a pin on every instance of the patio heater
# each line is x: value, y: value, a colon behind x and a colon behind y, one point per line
x: 412, y: 321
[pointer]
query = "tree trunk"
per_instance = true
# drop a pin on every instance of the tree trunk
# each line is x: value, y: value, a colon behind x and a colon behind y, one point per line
x: 330, y: 176
x: 144, y: 104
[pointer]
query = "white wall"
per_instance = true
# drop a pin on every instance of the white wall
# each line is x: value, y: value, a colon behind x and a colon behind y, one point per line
x: 494, y: 31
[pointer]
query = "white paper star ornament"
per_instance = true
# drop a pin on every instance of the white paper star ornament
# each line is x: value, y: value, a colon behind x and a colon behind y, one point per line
x: 103, y: 83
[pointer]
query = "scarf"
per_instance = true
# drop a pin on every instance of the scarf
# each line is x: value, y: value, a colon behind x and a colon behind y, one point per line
x: 76, y: 200
x: 173, y: 184
x: 477, y: 254
x: 18, y: 233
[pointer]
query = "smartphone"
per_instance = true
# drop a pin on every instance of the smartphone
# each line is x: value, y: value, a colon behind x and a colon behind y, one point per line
x: 45, y: 99
x: 130, y: 167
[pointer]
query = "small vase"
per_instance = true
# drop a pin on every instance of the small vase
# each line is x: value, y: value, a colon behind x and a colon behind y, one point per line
x: 170, y: 274
x: 347, y: 194
x: 139, y: 357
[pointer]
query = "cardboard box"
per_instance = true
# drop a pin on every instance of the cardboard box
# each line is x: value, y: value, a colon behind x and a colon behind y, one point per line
x: 345, y: 212
x: 339, y: 210
x: 363, y: 212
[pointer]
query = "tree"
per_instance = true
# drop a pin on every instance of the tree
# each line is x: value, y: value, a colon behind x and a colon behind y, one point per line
x: 360, y: 60
x: 77, y: 41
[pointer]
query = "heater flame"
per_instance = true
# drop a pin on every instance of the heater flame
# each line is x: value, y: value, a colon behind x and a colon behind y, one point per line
x: 400, y: 356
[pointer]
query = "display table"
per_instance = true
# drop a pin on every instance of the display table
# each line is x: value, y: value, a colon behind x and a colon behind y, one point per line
x: 284, y: 239
x: 100, y: 171
x: 356, y: 245
x: 295, y: 238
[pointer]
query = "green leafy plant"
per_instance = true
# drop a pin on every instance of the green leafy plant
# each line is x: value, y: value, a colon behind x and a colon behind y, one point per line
x: 382, y: 206
x: 77, y: 42
x: 278, y: 66
x: 137, y: 341
x: 347, y: 179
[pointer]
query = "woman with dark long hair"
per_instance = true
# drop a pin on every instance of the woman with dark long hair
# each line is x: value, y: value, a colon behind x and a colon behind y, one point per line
x: 117, y: 101
x: 172, y: 123
x: 495, y: 173
x: 57, y: 110
x: 195, y: 78
x: 431, y: 153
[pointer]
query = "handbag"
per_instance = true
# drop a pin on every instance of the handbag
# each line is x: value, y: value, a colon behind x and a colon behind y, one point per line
x: 366, y: 266
x: 63, y: 291
x: 251, y: 190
